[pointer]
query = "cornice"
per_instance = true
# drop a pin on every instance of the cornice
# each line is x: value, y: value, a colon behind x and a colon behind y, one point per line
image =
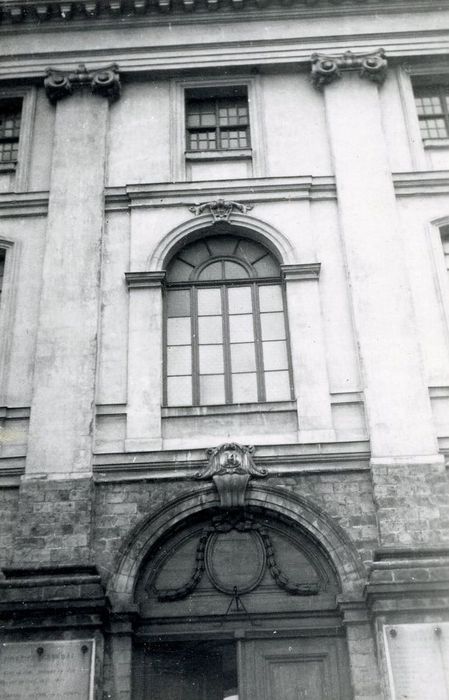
x: 23, y: 204
x: 251, y: 190
x: 277, y: 459
x: 63, y: 13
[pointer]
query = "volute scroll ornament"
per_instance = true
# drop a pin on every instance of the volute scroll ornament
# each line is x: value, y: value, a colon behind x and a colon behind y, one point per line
x: 326, y: 69
x: 220, y: 209
x: 230, y: 467
x: 101, y: 81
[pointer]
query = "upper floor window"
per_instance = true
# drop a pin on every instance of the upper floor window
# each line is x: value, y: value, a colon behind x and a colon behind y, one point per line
x: 432, y: 105
x: 226, y: 331
x: 217, y: 119
x: 10, y: 117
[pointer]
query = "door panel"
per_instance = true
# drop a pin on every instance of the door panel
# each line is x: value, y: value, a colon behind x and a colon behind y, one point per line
x: 293, y: 669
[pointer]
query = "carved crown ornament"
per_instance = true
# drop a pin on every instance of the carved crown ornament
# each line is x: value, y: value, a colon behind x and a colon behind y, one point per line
x: 326, y: 69
x: 220, y: 209
x: 230, y: 467
x: 101, y: 81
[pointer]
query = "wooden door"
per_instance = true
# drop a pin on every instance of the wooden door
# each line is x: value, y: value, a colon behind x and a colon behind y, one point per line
x: 171, y: 675
x: 293, y: 669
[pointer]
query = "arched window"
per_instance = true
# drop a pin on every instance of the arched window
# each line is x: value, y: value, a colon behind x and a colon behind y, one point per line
x: 226, y: 331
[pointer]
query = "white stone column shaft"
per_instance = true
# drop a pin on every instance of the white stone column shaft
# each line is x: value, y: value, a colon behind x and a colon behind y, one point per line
x: 397, y: 400
x: 62, y: 409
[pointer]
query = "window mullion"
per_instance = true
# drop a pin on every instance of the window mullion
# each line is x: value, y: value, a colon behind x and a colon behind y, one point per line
x: 195, y: 347
x: 226, y: 345
x: 258, y: 344
x: 444, y: 109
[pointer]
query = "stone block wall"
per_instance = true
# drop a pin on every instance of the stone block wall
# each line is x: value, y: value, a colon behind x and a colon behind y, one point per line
x: 54, y: 522
x: 9, y: 499
x: 412, y: 504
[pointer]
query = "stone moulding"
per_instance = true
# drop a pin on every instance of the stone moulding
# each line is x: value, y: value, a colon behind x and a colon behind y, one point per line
x: 101, y: 81
x: 220, y: 209
x: 230, y: 467
x: 326, y: 69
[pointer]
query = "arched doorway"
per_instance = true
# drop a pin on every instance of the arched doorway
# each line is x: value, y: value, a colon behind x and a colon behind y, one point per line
x: 239, y: 604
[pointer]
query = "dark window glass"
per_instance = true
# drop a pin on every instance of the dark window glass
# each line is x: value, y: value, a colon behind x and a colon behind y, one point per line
x: 226, y: 333
x: 432, y: 106
x: 10, y: 115
x: 217, y: 123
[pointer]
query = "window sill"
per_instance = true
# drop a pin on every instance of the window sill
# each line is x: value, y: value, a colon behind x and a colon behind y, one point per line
x: 8, y: 167
x: 231, y: 154
x: 228, y: 409
x: 436, y: 143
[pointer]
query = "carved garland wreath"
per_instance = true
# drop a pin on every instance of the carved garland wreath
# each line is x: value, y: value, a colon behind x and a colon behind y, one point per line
x: 222, y: 524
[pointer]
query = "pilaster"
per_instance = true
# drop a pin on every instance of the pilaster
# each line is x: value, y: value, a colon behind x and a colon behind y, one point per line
x: 143, y: 428
x: 307, y: 345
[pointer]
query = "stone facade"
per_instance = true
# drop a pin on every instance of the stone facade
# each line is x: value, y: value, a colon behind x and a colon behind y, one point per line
x: 104, y: 483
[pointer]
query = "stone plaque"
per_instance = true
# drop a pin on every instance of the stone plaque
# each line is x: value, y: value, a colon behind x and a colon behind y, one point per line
x: 47, y: 670
x: 418, y: 660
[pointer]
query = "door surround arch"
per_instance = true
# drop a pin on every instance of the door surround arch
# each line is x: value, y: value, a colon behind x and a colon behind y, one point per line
x: 305, y: 514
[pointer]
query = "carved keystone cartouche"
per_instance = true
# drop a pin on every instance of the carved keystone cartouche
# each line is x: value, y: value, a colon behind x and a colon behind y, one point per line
x: 220, y: 209
x: 101, y: 81
x: 326, y: 69
x: 230, y: 468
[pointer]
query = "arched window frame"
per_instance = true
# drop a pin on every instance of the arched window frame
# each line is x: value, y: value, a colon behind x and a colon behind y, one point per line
x: 193, y: 283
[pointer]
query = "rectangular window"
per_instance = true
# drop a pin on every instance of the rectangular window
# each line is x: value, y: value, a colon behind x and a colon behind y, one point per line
x: 432, y: 106
x: 10, y: 117
x: 217, y: 119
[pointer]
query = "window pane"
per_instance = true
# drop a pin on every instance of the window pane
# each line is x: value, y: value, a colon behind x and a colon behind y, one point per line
x: 211, y: 272
x: 273, y: 326
x: 275, y: 355
x: 267, y: 267
x: 433, y: 128
x: 178, y: 302
x: 209, y: 302
x: 277, y: 386
x: 210, y: 329
x: 241, y: 328
x: 212, y: 389
x: 211, y: 359
x: 178, y: 331
x: 234, y: 271
x: 179, y: 359
x: 244, y: 388
x: 428, y: 104
x: 179, y: 391
x: 270, y: 298
x: 243, y: 357
x: 239, y: 300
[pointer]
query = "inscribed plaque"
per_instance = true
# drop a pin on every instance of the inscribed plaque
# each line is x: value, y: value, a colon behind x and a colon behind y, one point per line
x: 418, y: 660
x: 47, y: 670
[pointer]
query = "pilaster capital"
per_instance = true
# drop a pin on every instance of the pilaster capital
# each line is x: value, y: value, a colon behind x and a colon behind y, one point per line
x: 304, y: 271
x: 144, y: 279
x: 101, y: 81
x: 326, y: 69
